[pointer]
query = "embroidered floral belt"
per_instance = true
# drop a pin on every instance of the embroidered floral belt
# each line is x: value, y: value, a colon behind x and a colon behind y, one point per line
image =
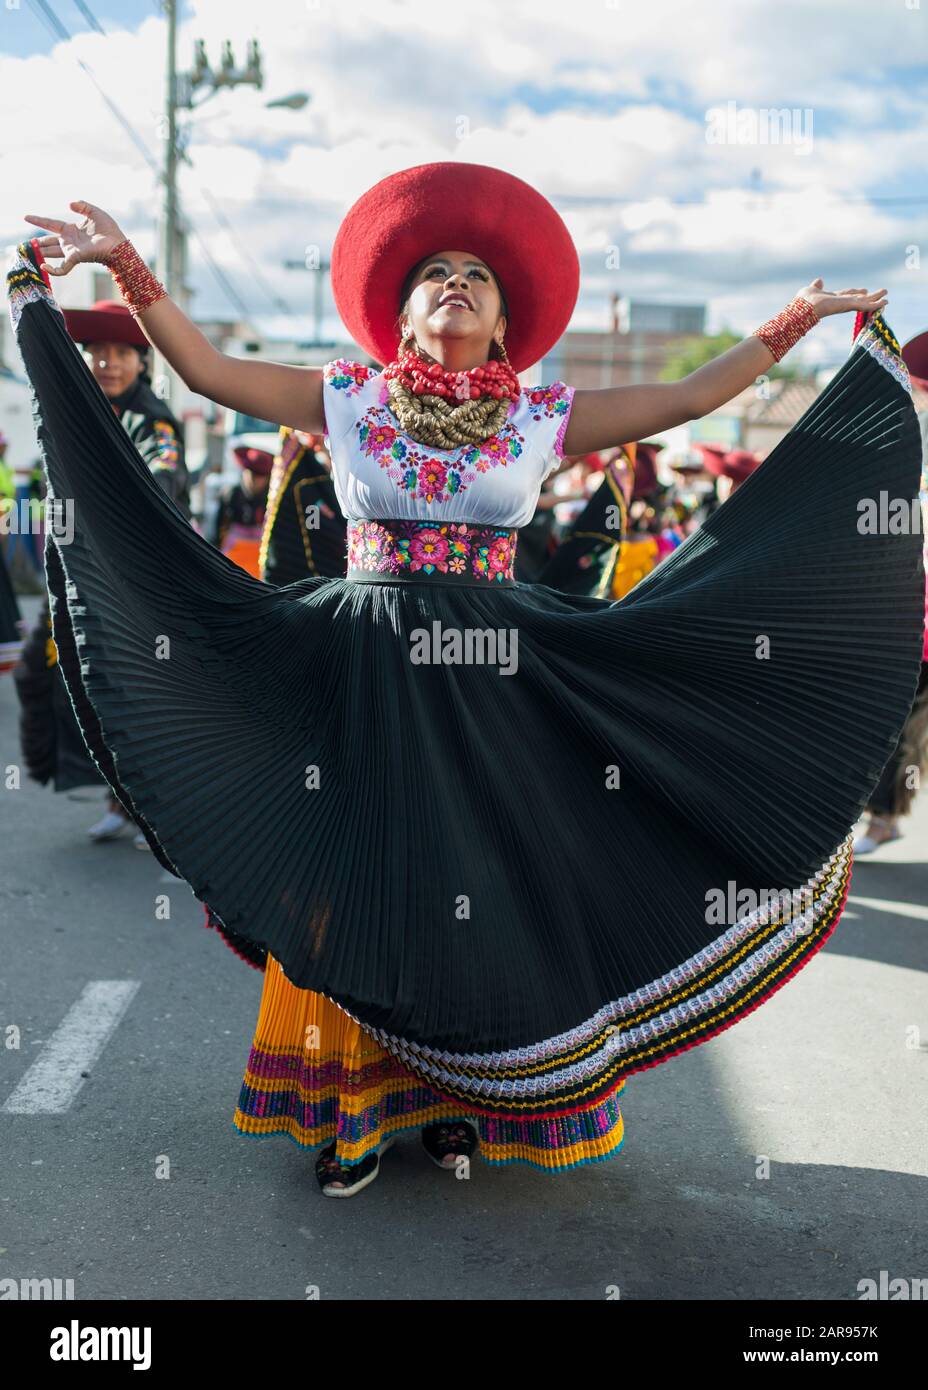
x: 452, y: 551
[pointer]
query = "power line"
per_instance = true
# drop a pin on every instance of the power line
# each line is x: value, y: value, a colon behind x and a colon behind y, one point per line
x: 61, y: 32
x: 90, y: 18
x: 227, y: 285
x: 277, y: 300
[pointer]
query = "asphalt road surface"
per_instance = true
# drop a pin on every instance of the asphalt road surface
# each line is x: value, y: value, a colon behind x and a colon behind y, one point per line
x: 134, y: 1033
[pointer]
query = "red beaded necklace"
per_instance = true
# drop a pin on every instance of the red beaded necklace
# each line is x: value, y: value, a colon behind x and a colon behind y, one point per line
x: 495, y: 379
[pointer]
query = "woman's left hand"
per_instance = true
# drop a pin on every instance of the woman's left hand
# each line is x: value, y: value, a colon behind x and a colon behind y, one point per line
x: 842, y: 301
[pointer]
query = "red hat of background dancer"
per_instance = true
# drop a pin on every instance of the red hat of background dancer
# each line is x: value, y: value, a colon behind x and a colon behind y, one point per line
x: 258, y: 460
x: 710, y: 453
x: 737, y: 464
x: 915, y: 356
x: 455, y: 206
x: 645, y: 468
x: 107, y: 321
x: 700, y: 458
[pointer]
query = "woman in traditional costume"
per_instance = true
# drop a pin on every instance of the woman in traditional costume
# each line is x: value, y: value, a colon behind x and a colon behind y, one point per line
x: 411, y: 739
x: 239, y: 521
x: 642, y: 548
x: 117, y: 353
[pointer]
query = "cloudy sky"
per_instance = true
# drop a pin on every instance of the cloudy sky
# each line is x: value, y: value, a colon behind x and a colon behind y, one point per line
x: 607, y: 106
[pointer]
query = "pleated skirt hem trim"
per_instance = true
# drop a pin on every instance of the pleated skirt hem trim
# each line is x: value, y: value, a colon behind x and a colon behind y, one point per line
x: 485, y: 1153
x: 752, y: 973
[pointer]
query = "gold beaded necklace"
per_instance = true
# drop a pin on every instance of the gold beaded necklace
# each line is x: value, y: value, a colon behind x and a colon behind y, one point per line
x: 436, y: 421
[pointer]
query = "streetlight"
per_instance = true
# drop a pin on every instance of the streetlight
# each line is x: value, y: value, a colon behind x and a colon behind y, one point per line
x: 296, y: 102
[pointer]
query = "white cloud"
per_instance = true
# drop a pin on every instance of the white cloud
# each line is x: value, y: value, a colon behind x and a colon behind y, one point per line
x: 600, y: 106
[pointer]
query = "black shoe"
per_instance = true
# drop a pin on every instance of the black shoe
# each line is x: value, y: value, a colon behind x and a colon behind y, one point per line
x: 458, y: 1139
x: 355, y: 1176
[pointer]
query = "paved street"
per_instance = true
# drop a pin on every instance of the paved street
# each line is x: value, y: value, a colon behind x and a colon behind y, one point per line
x: 829, y: 1081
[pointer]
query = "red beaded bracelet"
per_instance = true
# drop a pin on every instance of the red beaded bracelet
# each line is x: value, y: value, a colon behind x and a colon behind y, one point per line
x: 138, y: 287
x: 783, y: 332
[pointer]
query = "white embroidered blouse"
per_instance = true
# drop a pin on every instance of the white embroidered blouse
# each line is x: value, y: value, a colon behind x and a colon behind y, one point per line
x: 380, y: 473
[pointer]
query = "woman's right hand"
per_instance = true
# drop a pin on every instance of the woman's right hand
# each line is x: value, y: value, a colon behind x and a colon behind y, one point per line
x: 91, y: 239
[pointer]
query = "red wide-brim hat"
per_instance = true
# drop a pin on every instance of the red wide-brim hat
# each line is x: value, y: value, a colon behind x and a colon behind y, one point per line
x: 915, y: 356
x: 258, y: 460
x: 645, y: 469
x: 107, y: 321
x: 701, y: 458
x: 737, y: 464
x: 463, y: 207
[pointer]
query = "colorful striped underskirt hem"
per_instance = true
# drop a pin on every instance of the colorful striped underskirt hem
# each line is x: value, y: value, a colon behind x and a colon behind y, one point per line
x: 315, y: 1075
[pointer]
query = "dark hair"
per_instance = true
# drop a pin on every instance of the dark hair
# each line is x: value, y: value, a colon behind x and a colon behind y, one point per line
x: 407, y: 286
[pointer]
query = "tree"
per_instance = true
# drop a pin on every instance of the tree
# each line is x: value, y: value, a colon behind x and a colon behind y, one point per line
x: 689, y: 353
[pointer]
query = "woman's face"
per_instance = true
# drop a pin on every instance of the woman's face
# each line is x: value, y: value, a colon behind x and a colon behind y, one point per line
x: 445, y: 278
x: 115, y: 366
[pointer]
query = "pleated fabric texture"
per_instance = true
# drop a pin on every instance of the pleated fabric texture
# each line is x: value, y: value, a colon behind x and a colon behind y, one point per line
x: 314, y: 1075
x: 303, y: 535
x: 512, y: 881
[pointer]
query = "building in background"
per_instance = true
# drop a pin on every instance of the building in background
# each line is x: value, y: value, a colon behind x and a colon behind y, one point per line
x: 758, y: 418
x: 635, y: 348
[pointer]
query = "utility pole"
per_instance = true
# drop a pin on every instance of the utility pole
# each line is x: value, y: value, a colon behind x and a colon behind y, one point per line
x: 179, y: 95
x: 164, y: 377
x: 318, y: 271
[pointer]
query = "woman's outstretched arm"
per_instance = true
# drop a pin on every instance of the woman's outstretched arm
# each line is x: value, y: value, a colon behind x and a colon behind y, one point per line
x: 602, y: 418
x: 267, y: 390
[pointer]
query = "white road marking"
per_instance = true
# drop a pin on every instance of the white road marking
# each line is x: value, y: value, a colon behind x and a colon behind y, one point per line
x: 886, y: 905
x: 54, y: 1079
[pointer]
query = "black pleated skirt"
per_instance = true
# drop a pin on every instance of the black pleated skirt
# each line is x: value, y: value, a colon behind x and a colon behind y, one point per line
x: 528, y: 882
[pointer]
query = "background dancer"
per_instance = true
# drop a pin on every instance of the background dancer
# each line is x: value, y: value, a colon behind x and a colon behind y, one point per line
x: 239, y: 520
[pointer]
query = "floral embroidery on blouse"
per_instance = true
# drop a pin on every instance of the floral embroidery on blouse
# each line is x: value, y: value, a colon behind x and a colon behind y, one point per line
x: 552, y: 402
x: 549, y: 400
x: 464, y: 549
x: 347, y: 376
x: 432, y: 476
